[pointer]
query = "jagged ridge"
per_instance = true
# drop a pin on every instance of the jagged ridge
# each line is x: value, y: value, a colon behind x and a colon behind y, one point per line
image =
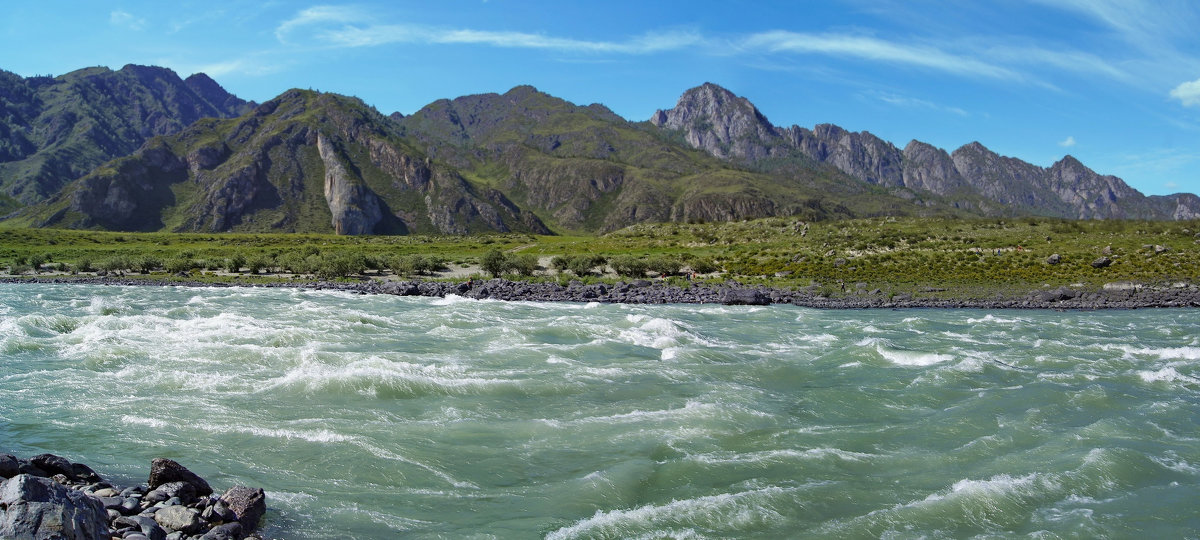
x: 972, y: 177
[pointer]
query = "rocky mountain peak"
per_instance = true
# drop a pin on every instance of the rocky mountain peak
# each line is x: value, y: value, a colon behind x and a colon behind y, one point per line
x: 719, y: 122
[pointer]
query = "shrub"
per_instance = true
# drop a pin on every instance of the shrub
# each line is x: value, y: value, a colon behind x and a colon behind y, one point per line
x: 85, y: 265
x: 582, y: 265
x: 629, y: 266
x: 401, y: 266
x: 235, y: 263
x: 524, y: 264
x: 292, y: 262
x: 146, y: 264
x: 664, y: 265
x: 703, y: 265
x: 178, y: 265
x: 258, y: 263
x: 560, y: 263
x: 340, y: 266
x: 494, y: 262
x: 116, y: 263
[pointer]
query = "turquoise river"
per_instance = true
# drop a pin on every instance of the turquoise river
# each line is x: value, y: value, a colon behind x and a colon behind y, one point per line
x: 390, y: 417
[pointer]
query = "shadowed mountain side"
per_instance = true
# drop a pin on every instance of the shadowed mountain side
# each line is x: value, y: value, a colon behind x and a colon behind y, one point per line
x: 54, y: 130
x: 302, y: 162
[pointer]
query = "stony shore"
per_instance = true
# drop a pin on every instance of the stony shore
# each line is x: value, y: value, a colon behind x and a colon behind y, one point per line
x: 1116, y: 296
x: 48, y: 497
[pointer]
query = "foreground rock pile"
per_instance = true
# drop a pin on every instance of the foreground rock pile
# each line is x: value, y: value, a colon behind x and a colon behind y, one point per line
x: 47, y: 497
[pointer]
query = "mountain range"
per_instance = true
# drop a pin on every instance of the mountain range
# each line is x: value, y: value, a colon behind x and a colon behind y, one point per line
x: 141, y: 149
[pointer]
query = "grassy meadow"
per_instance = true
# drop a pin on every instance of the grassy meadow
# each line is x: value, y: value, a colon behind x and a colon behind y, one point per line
x: 951, y: 257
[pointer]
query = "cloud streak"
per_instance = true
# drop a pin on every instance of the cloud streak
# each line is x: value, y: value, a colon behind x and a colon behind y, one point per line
x: 913, y: 103
x: 996, y: 59
x: 343, y: 27
x: 869, y: 48
x: 125, y: 19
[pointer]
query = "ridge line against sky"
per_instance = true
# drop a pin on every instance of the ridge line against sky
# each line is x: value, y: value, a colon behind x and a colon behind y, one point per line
x: 1115, y: 83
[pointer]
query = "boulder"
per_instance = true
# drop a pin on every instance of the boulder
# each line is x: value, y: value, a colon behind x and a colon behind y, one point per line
x: 184, y: 491
x: 53, y: 464
x: 37, y: 508
x: 1102, y: 262
x: 228, y: 531
x: 1054, y: 259
x: 9, y: 466
x: 84, y: 473
x: 1056, y: 295
x: 147, y: 525
x: 164, y: 471
x: 249, y: 504
x: 744, y: 297
x: 178, y: 518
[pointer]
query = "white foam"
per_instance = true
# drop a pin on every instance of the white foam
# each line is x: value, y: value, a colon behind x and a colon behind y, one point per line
x: 781, y: 455
x: 318, y: 436
x: 1166, y: 374
x: 1002, y: 485
x: 732, y: 511
x: 370, y: 374
x: 912, y: 358
x: 989, y: 318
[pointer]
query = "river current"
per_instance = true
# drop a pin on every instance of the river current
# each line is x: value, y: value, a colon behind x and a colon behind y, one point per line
x: 386, y: 417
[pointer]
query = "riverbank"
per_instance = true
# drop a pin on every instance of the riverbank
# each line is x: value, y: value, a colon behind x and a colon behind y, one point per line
x: 1126, y: 295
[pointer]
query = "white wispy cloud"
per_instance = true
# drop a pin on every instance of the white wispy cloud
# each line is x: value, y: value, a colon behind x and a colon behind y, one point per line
x: 986, y: 57
x: 346, y: 27
x: 318, y: 15
x: 1188, y: 93
x: 912, y: 103
x: 125, y: 19
x: 1067, y: 142
x: 1149, y: 25
x: 870, y: 48
x: 1068, y: 60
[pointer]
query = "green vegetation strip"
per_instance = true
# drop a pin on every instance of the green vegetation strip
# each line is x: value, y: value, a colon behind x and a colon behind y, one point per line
x: 924, y: 257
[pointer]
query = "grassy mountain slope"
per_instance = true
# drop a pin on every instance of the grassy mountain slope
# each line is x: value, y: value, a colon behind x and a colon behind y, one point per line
x: 303, y: 162
x: 585, y: 169
x: 53, y: 130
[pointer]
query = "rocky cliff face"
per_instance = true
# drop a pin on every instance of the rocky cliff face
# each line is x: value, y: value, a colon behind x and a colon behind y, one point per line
x: 53, y: 130
x: 354, y: 207
x: 127, y: 196
x: 972, y: 177
x: 589, y: 170
x: 720, y: 123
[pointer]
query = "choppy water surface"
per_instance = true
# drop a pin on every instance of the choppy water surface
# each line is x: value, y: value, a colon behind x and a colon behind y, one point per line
x: 381, y: 417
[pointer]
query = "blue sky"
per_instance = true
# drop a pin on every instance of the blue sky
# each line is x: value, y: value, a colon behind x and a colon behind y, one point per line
x: 1114, y: 83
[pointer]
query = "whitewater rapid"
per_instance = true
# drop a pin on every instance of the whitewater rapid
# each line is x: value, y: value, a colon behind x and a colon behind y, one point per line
x: 382, y: 416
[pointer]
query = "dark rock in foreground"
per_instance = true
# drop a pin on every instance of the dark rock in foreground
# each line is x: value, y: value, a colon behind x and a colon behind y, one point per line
x: 49, y: 498
x: 36, y: 508
x: 163, y: 471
